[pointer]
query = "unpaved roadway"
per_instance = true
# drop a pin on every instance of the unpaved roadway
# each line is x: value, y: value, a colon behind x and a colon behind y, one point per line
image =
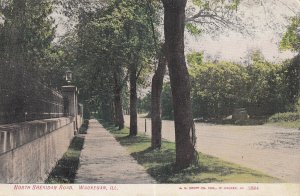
x: 272, y: 150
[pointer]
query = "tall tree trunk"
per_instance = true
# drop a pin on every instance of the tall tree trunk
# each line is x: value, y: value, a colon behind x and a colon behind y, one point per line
x: 156, y: 89
x: 174, y: 22
x: 133, y: 100
x: 118, y: 103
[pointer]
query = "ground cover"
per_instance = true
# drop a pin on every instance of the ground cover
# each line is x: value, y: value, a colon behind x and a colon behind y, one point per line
x: 284, y: 124
x: 65, y: 170
x: 160, y: 163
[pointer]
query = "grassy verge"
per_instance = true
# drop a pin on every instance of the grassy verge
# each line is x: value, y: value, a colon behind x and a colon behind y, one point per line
x: 288, y: 124
x: 159, y: 164
x: 84, y: 127
x: 65, y: 170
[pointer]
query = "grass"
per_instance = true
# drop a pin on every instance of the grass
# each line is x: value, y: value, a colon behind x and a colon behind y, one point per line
x: 287, y: 124
x: 65, y: 170
x: 160, y: 163
x: 84, y: 127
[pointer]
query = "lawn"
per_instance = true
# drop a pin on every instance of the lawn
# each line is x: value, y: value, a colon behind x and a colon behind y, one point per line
x: 286, y: 124
x: 65, y: 170
x: 160, y: 163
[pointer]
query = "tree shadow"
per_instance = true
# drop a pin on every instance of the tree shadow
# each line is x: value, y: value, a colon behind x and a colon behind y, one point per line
x: 129, y: 140
x: 160, y: 165
x: 108, y: 125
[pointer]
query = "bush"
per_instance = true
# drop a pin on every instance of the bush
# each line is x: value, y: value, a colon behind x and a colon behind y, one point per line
x: 288, y: 116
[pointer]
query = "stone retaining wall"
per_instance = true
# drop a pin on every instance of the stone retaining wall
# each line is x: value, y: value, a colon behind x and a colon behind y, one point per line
x: 29, y: 151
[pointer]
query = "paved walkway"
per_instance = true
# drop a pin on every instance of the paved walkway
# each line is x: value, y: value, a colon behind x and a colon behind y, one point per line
x: 103, y: 160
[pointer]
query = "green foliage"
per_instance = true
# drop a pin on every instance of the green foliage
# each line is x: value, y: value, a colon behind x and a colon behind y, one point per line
x: 144, y: 104
x: 213, y: 16
x: 33, y: 28
x: 202, y: 4
x: 216, y: 87
x: 262, y: 88
x: 193, y: 29
x: 111, y: 41
x: 290, y: 39
x: 266, y: 88
x: 28, y: 57
x: 195, y: 58
x: 298, y: 106
x: 198, y: 2
x: 291, y: 72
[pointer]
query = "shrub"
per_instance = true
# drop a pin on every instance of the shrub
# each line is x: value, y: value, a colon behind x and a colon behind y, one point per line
x: 288, y: 116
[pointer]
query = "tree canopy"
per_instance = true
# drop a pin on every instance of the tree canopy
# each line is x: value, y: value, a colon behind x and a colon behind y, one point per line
x: 291, y: 39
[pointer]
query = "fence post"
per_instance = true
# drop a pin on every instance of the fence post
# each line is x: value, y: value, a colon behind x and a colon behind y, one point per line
x: 70, y: 95
x: 145, y: 125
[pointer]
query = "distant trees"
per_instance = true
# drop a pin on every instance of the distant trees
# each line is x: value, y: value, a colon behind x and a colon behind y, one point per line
x: 291, y: 41
x: 217, y: 88
x: 291, y: 73
x: 167, y: 102
x: 263, y: 88
x: 266, y: 87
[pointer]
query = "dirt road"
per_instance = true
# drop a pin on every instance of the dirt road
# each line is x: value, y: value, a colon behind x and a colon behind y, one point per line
x: 272, y: 150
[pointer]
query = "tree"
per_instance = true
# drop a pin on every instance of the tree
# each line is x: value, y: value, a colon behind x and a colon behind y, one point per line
x: 115, y: 43
x: 156, y: 89
x: 291, y: 39
x: 217, y: 87
x: 174, y: 22
x: 291, y: 79
x: 211, y: 17
x: 214, y: 17
x: 266, y: 92
x: 157, y: 81
x: 141, y: 48
x: 26, y: 37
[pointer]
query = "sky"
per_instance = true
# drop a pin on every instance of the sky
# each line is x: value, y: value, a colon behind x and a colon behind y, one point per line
x: 270, y: 19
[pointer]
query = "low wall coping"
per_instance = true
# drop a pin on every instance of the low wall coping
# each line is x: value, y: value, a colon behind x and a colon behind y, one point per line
x: 15, y: 135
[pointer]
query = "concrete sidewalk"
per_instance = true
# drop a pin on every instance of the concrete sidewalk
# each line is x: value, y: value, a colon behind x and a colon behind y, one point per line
x: 104, y: 161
